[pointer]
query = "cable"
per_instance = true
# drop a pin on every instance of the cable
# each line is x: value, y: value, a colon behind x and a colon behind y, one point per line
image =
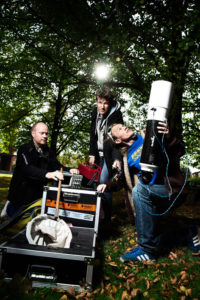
x: 170, y: 193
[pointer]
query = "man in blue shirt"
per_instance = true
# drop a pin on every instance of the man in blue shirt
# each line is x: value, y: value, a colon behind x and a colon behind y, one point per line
x: 150, y: 200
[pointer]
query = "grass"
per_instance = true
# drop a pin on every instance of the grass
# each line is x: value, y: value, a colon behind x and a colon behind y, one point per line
x: 4, y: 184
x: 176, y: 275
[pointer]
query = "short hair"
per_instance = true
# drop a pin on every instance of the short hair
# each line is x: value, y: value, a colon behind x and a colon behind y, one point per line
x: 35, y: 124
x: 106, y: 93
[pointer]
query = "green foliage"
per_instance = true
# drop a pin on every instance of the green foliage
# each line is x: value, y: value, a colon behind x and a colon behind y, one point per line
x: 48, y: 51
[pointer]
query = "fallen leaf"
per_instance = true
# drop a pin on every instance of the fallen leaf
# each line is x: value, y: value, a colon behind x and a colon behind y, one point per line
x: 71, y: 291
x: 130, y: 275
x: 172, y: 255
x: 184, y: 276
x: 132, y: 242
x: 121, y: 276
x: 61, y: 291
x: 195, y: 254
x: 113, y: 264
x: 64, y: 297
x: 134, y: 292
x: 189, y: 292
x: 128, y: 282
x: 173, y: 280
x: 175, y: 264
x: 96, y: 291
x: 148, y: 283
x: 129, y: 249
x: 156, y: 279
x: 164, y: 264
x: 108, y: 286
x: 124, y: 295
x: 89, y: 295
x: 182, y: 288
x: 148, y: 262
x: 81, y: 295
x: 114, y: 289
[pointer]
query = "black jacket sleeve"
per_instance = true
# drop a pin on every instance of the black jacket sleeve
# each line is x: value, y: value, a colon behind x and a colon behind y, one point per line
x: 34, y: 167
x: 93, y: 136
x: 111, y: 153
x: 26, y: 163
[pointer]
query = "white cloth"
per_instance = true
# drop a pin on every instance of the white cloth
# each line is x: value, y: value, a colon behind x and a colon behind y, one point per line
x: 45, y: 230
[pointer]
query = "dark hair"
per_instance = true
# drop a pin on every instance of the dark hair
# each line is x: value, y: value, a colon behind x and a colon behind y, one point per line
x: 105, y: 92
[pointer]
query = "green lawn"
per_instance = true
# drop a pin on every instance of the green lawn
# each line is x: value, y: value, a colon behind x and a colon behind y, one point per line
x: 174, y: 276
x: 4, y: 184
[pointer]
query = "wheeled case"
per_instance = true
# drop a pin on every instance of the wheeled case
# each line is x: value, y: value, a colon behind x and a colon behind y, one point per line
x: 58, y: 267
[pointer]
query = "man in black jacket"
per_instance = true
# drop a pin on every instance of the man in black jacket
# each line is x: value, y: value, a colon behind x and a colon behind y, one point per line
x: 35, y: 165
x: 104, y: 115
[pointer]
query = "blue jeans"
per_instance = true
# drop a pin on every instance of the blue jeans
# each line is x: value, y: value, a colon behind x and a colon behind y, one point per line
x: 107, y: 196
x: 147, y: 204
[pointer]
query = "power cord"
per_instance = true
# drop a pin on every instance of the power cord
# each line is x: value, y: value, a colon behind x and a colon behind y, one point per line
x: 170, y: 193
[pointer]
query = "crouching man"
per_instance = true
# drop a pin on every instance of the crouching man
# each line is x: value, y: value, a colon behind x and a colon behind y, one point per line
x: 151, y: 200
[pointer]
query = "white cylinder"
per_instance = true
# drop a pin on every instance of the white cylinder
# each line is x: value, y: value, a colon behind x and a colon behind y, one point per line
x: 159, y: 100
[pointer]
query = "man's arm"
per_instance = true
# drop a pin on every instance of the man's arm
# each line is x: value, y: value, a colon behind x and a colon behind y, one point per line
x: 93, y: 137
x: 112, y: 156
x: 25, y: 162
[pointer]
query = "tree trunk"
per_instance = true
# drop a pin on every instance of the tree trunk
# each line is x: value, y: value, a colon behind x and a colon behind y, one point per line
x: 56, y: 124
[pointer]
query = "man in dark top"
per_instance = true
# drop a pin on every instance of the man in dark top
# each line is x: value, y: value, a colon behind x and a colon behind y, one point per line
x: 154, y: 199
x: 106, y: 113
x: 35, y: 165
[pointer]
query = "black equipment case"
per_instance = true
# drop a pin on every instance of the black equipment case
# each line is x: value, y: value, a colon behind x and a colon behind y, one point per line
x: 58, y: 267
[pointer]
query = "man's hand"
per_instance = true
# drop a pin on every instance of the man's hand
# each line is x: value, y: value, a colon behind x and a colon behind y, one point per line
x: 74, y: 171
x: 143, y: 132
x: 91, y: 160
x: 117, y: 164
x: 163, y: 128
x: 101, y: 188
x: 56, y: 175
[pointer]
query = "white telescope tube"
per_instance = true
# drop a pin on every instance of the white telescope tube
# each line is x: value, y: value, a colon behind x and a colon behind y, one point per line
x: 158, y: 109
x: 159, y: 100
